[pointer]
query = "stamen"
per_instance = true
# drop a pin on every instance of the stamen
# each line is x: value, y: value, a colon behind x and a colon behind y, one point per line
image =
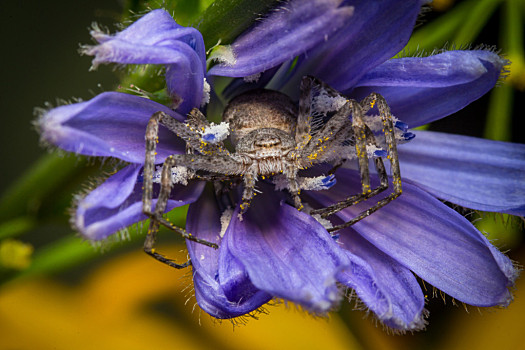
x: 408, y: 136
x: 317, y: 183
x: 206, y: 89
x: 216, y: 133
x: 401, y: 125
x: 380, y: 153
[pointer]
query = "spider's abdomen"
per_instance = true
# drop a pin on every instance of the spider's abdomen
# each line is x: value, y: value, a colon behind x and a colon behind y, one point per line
x: 258, y: 109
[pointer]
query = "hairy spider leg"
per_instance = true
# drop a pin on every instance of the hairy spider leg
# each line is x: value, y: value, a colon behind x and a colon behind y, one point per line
x: 335, y: 129
x: 247, y: 194
x: 196, y: 119
x: 304, y: 117
x: 325, y: 138
x: 355, y: 199
x: 147, y: 196
x: 310, y: 149
x: 388, y: 131
x: 293, y: 186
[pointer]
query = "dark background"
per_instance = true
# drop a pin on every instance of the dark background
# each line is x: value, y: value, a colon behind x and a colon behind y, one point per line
x: 40, y: 63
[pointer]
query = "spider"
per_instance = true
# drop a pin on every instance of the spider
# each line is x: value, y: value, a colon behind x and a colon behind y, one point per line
x: 273, y: 138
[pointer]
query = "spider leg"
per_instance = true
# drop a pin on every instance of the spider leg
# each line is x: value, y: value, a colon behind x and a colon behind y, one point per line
x: 196, y: 119
x: 247, y: 194
x: 226, y: 168
x: 191, y: 132
x: 303, y: 127
x: 309, y: 86
x: 157, y: 219
x: 388, y: 131
x: 353, y: 200
x: 222, y: 183
x: 316, y: 148
x: 147, y: 195
x: 166, y: 183
x: 329, y: 90
x: 390, y: 137
x: 294, y: 188
x: 302, y: 137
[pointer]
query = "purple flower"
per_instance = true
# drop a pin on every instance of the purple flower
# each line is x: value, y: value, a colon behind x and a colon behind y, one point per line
x: 277, y: 251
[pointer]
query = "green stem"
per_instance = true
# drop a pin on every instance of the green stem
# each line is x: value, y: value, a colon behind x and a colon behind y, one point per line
x: 46, y: 176
x: 499, y: 116
x: 16, y: 227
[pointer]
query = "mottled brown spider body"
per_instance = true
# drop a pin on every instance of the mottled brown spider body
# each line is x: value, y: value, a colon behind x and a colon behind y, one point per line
x: 258, y: 109
x: 272, y: 137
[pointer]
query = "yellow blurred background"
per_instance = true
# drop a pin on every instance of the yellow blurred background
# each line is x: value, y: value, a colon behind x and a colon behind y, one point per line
x: 132, y: 302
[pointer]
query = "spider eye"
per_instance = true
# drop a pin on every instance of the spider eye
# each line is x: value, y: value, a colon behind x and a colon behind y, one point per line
x: 268, y: 142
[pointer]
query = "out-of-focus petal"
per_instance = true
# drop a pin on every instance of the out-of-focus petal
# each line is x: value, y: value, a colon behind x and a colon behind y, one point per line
x: 389, y: 289
x: 111, y: 124
x: 117, y: 203
x: 474, y: 173
x: 288, y: 31
x: 376, y: 32
x: 157, y: 39
x: 287, y: 253
x: 434, y: 241
x: 423, y: 89
x: 241, y: 297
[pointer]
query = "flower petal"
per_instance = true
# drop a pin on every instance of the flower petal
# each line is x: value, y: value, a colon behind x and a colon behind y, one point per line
x: 432, y: 240
x: 241, y: 297
x: 204, y: 221
x: 287, y: 253
x: 389, y: 289
x: 211, y: 299
x: 423, y: 89
x: 157, y: 39
x: 110, y: 125
x: 376, y: 32
x: 117, y: 203
x: 287, y: 32
x: 474, y: 173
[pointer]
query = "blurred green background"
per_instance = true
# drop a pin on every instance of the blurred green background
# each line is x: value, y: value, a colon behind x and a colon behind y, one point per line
x: 60, y: 293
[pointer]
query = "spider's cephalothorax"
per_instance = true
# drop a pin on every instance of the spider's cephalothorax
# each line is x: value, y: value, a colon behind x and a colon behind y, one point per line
x: 261, y: 124
x: 272, y: 137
